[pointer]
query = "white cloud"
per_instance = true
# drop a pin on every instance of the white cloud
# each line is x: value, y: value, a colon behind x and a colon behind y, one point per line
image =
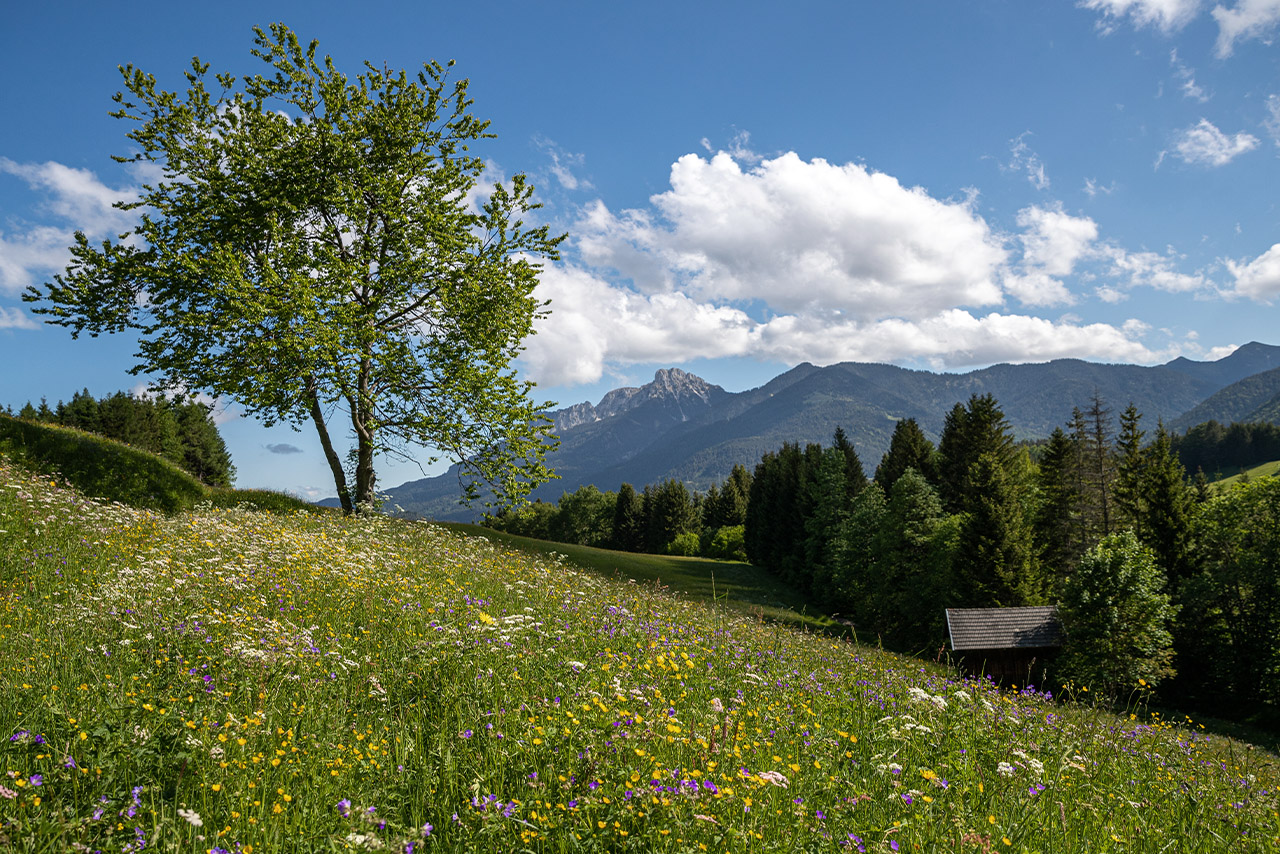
x: 1148, y: 270
x: 1258, y: 279
x: 1272, y: 121
x: 593, y: 323
x: 1052, y: 243
x: 794, y: 234
x: 1187, y: 79
x: 1026, y: 160
x: 1222, y: 352
x: 1248, y: 19
x: 76, y: 198
x: 563, y: 164
x: 15, y: 318
x: 1092, y: 188
x: 1203, y: 144
x: 1166, y: 15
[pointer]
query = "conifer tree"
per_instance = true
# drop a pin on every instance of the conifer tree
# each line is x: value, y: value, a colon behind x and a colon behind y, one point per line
x: 628, y: 520
x: 1167, y: 508
x: 995, y: 563
x: 908, y: 448
x: 1130, y: 469
x: 1056, y: 523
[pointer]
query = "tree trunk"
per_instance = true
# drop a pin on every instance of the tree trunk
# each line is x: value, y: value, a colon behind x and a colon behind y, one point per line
x: 335, y: 464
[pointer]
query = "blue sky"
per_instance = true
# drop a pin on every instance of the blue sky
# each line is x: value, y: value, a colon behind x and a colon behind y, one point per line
x: 747, y: 186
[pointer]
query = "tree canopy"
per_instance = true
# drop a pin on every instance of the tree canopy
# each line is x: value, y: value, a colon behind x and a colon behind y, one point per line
x: 318, y: 246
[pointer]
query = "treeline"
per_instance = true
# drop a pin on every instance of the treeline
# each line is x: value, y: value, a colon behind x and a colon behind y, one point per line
x: 1226, y: 450
x: 1157, y: 577
x: 181, y: 430
x: 664, y: 518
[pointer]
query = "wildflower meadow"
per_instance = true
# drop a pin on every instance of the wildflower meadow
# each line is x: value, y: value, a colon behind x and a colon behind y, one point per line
x: 228, y: 680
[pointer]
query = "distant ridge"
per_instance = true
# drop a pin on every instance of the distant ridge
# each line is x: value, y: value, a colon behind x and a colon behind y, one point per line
x: 683, y: 427
x: 1255, y: 398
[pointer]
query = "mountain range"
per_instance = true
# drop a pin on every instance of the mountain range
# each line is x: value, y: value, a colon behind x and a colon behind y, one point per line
x: 680, y: 426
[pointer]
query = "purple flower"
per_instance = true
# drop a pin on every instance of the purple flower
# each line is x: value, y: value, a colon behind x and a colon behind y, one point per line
x: 426, y: 830
x: 893, y: 844
x: 36, y: 779
x: 68, y: 762
x: 906, y: 797
x: 466, y: 733
x: 344, y: 807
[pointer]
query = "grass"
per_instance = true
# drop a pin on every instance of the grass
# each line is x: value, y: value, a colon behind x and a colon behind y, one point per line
x: 113, y: 471
x: 728, y: 584
x: 1264, y: 470
x: 235, y: 681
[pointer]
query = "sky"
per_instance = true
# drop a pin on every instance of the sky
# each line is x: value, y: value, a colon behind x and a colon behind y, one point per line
x: 745, y: 186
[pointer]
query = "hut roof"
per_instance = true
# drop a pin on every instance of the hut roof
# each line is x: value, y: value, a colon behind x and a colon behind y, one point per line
x: 1004, y: 628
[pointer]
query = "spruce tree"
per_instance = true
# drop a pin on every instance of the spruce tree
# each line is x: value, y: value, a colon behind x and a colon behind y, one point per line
x: 908, y: 448
x: 1130, y: 469
x: 1167, y: 509
x: 1056, y: 520
x: 995, y: 563
x: 628, y: 520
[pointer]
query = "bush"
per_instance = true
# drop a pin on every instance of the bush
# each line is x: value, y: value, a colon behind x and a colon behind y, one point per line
x: 685, y: 544
x: 1117, y: 618
x: 727, y: 543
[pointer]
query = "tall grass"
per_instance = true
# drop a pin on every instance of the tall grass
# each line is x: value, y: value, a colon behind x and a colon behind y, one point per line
x: 228, y: 680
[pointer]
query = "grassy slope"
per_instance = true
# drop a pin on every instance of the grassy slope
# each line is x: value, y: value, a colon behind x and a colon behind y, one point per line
x: 113, y: 471
x: 731, y: 584
x: 313, y: 683
x: 1258, y: 471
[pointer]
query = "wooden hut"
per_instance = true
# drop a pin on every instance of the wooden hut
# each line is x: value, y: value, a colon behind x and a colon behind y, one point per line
x: 1011, y: 645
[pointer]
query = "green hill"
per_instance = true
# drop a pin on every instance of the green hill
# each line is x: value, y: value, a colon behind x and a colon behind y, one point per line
x: 251, y: 682
x: 113, y: 471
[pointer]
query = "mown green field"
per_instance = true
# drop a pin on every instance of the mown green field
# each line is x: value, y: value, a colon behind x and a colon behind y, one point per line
x: 233, y: 680
x: 1264, y: 470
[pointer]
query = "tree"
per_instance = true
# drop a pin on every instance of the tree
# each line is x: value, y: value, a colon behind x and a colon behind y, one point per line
x: 312, y: 247
x: 968, y: 433
x: 1116, y: 617
x: 1056, y: 523
x: 628, y: 520
x: 1131, y: 464
x: 908, y: 448
x: 995, y: 563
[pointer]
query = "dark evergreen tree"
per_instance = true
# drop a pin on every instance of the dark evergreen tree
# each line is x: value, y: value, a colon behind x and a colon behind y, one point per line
x: 908, y: 448
x: 968, y: 433
x: 829, y: 506
x: 995, y: 562
x: 1166, y: 509
x: 1092, y: 431
x: 1056, y: 523
x: 628, y: 520
x: 857, y: 584
x: 81, y: 413
x: 914, y: 551
x: 669, y: 512
x: 855, y: 479
x: 204, y: 453
x: 1130, y: 467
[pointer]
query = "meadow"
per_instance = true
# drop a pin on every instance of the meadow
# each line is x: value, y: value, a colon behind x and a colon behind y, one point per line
x: 231, y: 680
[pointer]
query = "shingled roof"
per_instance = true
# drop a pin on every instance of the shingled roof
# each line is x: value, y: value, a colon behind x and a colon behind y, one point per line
x: 1004, y: 628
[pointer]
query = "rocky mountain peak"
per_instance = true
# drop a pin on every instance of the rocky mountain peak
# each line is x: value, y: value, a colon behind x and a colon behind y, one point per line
x: 669, y: 385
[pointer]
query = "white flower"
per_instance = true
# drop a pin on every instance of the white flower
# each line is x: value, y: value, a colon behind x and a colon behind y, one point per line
x: 774, y: 777
x: 192, y: 817
x: 716, y: 705
x: 1004, y: 769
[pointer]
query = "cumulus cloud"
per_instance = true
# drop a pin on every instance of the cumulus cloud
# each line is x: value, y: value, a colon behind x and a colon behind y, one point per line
x: 15, y: 318
x: 1052, y: 244
x: 1248, y: 19
x: 790, y: 260
x: 1258, y: 279
x: 1165, y: 15
x: 797, y: 233
x: 76, y: 198
x: 1203, y: 144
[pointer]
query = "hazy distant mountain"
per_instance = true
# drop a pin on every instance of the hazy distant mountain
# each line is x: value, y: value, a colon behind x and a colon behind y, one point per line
x: 681, y: 426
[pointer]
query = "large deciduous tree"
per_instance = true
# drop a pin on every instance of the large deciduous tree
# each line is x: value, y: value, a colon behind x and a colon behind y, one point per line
x: 315, y: 245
